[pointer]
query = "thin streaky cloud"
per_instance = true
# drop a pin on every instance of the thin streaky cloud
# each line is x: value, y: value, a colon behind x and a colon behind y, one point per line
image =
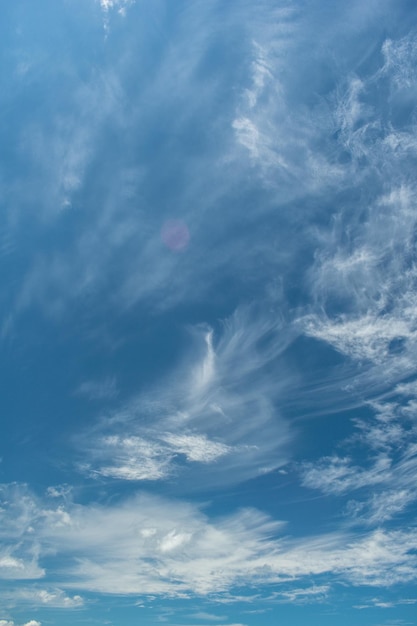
x: 383, y: 482
x: 152, y: 545
x: 210, y: 412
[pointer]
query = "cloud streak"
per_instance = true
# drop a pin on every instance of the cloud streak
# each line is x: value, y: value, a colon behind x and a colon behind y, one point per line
x: 149, y: 545
x: 383, y: 477
x: 217, y: 415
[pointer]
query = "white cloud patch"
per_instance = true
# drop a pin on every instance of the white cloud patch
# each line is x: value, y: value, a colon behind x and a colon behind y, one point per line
x: 363, y: 279
x: 51, y: 598
x: 383, y: 604
x: 338, y: 475
x: 132, y: 458
x: 16, y: 568
x: 219, y: 410
x: 32, y: 622
x: 280, y: 134
x: 208, y: 616
x: 400, y: 62
x: 307, y: 595
x: 108, y: 6
x: 148, y: 545
x: 383, y: 473
x: 196, y: 447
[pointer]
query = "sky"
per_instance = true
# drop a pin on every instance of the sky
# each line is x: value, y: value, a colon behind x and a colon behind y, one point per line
x: 208, y: 312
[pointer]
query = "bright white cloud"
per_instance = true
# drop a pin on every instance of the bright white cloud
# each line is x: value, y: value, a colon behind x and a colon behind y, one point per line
x: 149, y: 545
x: 316, y: 593
x: 219, y: 409
x: 16, y: 568
x: 196, y: 447
x: 111, y: 4
x: 367, y: 279
x: 51, y: 597
x: 383, y: 471
x: 362, y: 282
x: 132, y: 458
x: 208, y: 616
x: 400, y: 61
x: 338, y: 475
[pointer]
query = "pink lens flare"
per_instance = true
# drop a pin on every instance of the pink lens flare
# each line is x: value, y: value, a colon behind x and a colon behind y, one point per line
x: 175, y: 235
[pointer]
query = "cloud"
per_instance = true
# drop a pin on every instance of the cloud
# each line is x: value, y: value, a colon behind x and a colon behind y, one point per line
x: 297, y: 191
x: 208, y: 616
x: 109, y: 5
x: 385, y: 447
x: 16, y: 568
x: 315, y: 593
x: 106, y: 5
x: 217, y: 413
x: 382, y: 604
x: 132, y: 458
x: 295, y: 130
x: 114, y: 256
x: 50, y: 597
x: 400, y: 62
x: 337, y: 475
x: 196, y: 447
x: 158, y: 546
x: 362, y: 280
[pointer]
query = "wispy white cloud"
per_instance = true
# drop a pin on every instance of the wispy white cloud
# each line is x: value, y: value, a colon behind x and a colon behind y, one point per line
x: 131, y: 458
x: 219, y: 410
x: 286, y: 135
x: 315, y: 593
x: 16, y: 568
x: 338, y: 475
x: 32, y: 622
x: 122, y: 244
x: 148, y: 545
x: 108, y: 6
x: 384, y: 467
x: 362, y: 281
x: 383, y: 604
x: 208, y: 616
x: 52, y: 598
x: 196, y: 447
x: 218, y: 416
x: 400, y: 62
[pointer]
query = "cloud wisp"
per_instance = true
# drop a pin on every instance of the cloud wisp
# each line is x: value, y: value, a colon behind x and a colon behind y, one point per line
x: 217, y: 416
x: 149, y: 545
x: 363, y: 278
x: 379, y: 467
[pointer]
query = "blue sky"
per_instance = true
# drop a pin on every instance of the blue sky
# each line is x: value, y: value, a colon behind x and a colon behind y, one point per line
x: 208, y: 313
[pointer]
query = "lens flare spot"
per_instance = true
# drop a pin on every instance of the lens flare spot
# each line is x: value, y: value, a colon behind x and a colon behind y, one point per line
x: 175, y: 235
